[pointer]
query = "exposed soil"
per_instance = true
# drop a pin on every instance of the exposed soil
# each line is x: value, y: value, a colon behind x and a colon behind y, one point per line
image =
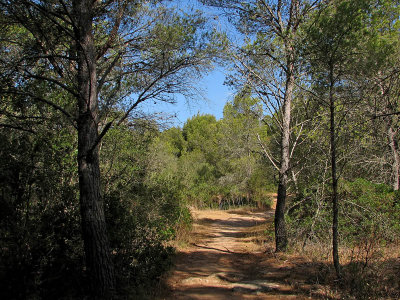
x: 227, y: 261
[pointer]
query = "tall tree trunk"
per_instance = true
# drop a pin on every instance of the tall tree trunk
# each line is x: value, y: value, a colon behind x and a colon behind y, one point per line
x: 335, y: 206
x: 97, y: 250
x: 391, y: 134
x: 281, y: 240
x: 395, y: 153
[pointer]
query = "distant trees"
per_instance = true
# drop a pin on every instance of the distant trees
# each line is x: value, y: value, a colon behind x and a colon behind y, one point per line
x: 217, y: 159
x: 241, y: 162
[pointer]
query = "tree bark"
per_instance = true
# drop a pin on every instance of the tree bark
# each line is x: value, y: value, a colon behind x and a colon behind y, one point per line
x: 391, y: 134
x: 335, y: 206
x: 97, y: 250
x: 395, y: 153
x: 281, y: 240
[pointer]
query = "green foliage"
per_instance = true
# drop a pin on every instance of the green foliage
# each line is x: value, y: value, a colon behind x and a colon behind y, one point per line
x: 200, y: 133
x: 143, y: 204
x: 140, y: 51
x: 41, y: 247
x: 137, y: 238
x: 149, y: 178
x: 216, y: 163
x: 369, y: 213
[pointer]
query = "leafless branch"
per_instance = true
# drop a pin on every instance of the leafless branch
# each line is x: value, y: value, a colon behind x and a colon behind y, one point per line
x: 267, y: 154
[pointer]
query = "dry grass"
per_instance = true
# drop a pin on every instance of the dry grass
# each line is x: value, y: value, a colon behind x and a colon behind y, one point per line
x: 369, y: 272
x: 183, y: 238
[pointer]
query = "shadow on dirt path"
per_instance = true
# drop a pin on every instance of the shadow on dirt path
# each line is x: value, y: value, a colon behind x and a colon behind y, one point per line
x: 225, y: 262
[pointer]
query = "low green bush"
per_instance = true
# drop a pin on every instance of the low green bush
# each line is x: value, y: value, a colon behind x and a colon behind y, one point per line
x: 367, y: 211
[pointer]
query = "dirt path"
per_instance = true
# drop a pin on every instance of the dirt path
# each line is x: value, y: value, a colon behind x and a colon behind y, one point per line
x: 226, y: 262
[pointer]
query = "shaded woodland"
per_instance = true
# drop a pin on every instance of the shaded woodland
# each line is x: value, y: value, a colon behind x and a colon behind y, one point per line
x: 93, y: 191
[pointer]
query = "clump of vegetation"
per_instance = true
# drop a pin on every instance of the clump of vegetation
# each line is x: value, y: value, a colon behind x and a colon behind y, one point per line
x: 41, y: 245
x: 369, y: 214
x: 369, y: 227
x: 216, y: 162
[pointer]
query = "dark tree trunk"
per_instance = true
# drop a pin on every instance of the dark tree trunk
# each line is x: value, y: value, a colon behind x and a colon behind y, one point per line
x: 335, y: 205
x: 281, y: 240
x: 97, y: 250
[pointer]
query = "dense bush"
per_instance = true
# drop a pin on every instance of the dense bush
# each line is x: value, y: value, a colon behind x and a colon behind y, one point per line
x: 140, y: 254
x: 143, y: 208
x: 369, y: 219
x: 369, y: 213
x: 217, y: 163
x: 41, y: 250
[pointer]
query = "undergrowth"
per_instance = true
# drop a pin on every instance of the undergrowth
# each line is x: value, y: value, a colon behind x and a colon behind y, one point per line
x: 369, y: 226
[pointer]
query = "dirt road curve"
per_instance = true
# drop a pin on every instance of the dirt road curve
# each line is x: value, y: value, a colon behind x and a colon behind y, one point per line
x: 224, y: 262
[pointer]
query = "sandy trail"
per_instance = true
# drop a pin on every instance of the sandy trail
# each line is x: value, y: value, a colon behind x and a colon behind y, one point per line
x: 225, y: 262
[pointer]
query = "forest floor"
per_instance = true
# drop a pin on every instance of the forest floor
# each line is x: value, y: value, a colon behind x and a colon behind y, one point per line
x: 227, y: 260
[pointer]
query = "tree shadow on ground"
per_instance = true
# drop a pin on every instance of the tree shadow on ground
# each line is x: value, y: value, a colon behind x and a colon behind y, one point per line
x: 222, y: 274
x: 209, y: 270
x: 215, y: 267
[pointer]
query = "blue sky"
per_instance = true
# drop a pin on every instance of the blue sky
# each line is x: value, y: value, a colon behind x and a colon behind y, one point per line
x: 215, y: 96
x: 215, y: 93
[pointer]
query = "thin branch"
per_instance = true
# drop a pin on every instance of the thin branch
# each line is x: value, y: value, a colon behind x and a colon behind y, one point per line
x: 62, y: 85
x: 386, y: 115
x: 108, y: 71
x: 297, y: 139
x: 266, y: 153
x: 140, y: 99
x: 49, y: 14
x: 114, y: 31
x: 17, y: 128
x: 52, y: 104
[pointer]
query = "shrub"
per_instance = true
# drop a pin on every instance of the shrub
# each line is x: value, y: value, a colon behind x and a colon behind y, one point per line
x: 368, y: 212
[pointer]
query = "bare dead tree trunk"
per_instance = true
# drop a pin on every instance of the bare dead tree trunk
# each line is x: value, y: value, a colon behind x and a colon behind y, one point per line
x: 281, y: 240
x: 395, y: 153
x: 391, y: 134
x: 97, y: 250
